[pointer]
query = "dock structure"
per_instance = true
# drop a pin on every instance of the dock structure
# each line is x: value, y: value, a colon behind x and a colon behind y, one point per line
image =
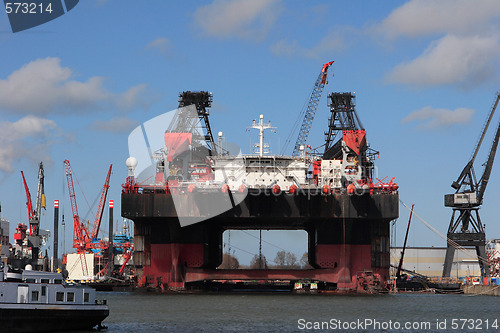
x: 348, y: 236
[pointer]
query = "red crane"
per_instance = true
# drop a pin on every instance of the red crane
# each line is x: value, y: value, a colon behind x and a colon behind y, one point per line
x: 80, y: 234
x: 128, y: 249
x: 82, y: 238
x: 28, y: 200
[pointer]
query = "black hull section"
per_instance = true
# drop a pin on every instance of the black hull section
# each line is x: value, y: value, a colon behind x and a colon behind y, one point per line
x: 278, y: 211
x: 49, y: 320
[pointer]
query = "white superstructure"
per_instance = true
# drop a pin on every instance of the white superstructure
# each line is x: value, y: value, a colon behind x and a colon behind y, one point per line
x: 260, y: 171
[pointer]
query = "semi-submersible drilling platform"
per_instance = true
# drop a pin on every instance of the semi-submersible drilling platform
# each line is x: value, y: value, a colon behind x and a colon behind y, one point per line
x: 199, y: 189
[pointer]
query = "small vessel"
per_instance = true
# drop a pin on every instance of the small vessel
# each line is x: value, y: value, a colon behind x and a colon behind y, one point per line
x: 34, y: 301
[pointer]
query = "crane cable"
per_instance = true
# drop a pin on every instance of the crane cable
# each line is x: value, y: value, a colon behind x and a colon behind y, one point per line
x: 276, y: 246
x: 448, y: 240
x: 81, y: 190
x: 296, y: 125
x: 253, y: 254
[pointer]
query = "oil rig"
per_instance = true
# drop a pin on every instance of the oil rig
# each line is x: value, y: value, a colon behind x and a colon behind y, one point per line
x: 199, y: 188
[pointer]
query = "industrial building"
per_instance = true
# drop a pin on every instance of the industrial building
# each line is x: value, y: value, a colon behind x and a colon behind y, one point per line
x: 429, y: 261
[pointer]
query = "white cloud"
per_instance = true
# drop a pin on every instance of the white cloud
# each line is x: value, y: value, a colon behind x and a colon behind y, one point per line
x: 161, y: 45
x: 466, y: 61
x: 331, y: 43
x: 29, y: 137
x: 432, y: 118
x: 429, y: 17
x: 133, y: 98
x: 115, y: 125
x: 43, y: 87
x: 465, y: 45
x: 246, y: 19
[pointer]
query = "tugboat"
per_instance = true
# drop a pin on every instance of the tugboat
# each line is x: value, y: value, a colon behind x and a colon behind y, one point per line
x: 33, y: 301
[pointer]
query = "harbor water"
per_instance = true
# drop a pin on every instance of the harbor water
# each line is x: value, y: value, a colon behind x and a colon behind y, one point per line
x: 149, y: 312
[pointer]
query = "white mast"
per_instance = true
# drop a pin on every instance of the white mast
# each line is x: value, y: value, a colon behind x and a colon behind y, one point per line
x: 261, y: 127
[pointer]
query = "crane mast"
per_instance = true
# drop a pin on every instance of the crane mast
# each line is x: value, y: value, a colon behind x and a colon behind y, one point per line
x: 100, y: 208
x: 40, y: 203
x: 29, y: 204
x: 489, y: 164
x: 467, y: 229
x: 312, y: 106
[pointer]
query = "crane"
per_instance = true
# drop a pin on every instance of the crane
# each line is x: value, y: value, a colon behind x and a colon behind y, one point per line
x: 80, y: 233
x: 467, y: 200
x: 28, y: 200
x: 34, y: 214
x: 312, y: 106
x: 40, y: 202
x: 82, y: 238
x: 400, y: 265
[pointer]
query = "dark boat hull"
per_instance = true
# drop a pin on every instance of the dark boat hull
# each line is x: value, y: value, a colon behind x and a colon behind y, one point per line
x: 421, y: 285
x: 50, y: 318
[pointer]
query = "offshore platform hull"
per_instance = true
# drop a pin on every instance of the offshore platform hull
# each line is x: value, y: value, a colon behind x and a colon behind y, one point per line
x: 348, y: 235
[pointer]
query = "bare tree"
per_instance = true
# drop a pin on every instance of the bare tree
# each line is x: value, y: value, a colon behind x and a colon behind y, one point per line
x: 280, y: 259
x: 258, y: 262
x: 229, y: 262
x: 291, y: 261
x: 286, y: 259
x: 304, y: 261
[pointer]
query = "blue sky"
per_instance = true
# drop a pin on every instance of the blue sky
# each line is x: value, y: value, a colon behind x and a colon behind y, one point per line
x: 425, y: 74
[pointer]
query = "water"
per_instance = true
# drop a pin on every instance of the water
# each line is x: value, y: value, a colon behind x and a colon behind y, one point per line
x: 136, y: 312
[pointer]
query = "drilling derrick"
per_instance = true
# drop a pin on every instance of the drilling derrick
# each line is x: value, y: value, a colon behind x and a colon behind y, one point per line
x: 351, y: 146
x: 343, y: 118
x: 202, y: 100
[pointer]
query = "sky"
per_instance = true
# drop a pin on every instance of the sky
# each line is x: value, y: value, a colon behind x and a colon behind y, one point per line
x: 425, y: 74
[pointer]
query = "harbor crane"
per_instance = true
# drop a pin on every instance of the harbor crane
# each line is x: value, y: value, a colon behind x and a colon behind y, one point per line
x: 466, y: 229
x: 83, y: 240
x: 35, y: 213
x: 80, y: 233
x: 310, y: 111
